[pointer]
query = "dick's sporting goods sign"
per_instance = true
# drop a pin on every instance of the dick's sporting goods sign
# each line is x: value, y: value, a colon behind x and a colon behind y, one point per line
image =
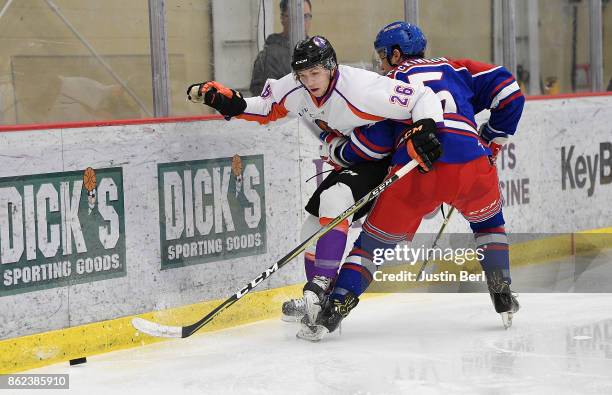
x: 61, y: 228
x: 211, y: 210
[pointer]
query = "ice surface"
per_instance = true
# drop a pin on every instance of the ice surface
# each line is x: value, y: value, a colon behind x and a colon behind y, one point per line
x: 396, y: 344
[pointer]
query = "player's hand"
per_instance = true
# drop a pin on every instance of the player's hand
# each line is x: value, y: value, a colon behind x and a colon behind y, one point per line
x: 493, y: 139
x: 495, y: 150
x: 194, y: 93
x: 422, y: 143
x: 227, y: 101
x: 330, y: 145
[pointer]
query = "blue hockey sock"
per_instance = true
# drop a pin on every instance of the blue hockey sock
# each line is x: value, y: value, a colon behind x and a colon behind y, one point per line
x: 352, y: 278
x: 492, y: 241
x: 356, y: 273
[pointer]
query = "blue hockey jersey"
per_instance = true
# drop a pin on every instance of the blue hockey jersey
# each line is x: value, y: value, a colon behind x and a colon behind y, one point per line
x: 465, y: 87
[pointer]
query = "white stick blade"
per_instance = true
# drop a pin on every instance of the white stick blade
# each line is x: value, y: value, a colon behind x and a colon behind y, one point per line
x: 157, y: 330
x: 507, y: 319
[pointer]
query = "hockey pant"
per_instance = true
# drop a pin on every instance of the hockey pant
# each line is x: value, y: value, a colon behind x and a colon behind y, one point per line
x: 471, y: 187
x: 339, y: 191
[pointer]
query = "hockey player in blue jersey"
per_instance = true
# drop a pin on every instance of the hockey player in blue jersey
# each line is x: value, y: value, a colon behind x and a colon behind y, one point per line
x: 464, y: 176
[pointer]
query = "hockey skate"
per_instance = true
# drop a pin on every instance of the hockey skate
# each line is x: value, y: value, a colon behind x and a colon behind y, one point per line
x: 314, y: 291
x: 293, y: 310
x: 504, y: 300
x: 311, y: 332
x: 329, y: 319
x: 314, y: 300
x: 314, y: 296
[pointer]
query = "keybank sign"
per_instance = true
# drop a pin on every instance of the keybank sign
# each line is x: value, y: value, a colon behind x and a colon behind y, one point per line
x: 211, y: 210
x: 61, y: 228
x: 586, y: 170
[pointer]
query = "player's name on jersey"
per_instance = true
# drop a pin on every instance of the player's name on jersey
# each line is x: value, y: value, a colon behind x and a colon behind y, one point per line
x: 445, y: 276
x: 426, y: 61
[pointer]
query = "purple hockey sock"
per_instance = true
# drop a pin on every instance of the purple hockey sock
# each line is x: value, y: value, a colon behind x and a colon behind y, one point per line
x: 330, y: 249
x: 309, y: 266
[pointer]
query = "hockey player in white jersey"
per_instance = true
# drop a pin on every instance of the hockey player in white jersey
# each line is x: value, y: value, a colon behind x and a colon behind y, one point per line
x: 337, y: 99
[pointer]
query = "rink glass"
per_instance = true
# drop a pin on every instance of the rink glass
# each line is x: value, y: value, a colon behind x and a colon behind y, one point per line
x: 456, y: 31
x: 552, y: 41
x: 85, y: 60
x: 81, y: 60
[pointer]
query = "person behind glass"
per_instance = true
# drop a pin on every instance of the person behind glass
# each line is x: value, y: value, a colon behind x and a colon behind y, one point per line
x: 274, y: 60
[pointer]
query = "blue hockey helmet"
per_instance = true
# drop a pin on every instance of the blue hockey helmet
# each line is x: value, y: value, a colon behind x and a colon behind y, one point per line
x: 409, y: 38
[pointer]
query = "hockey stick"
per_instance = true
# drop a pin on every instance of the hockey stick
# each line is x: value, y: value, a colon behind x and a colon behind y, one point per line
x: 159, y: 330
x: 435, y: 243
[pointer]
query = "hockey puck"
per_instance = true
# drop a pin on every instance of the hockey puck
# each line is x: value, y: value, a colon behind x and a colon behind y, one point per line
x: 78, y: 361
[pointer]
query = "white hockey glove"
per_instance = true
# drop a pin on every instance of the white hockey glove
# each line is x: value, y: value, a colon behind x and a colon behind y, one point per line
x: 332, y: 143
x: 495, y: 139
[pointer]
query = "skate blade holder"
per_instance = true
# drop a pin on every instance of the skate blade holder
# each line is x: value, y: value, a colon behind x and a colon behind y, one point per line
x: 506, y: 319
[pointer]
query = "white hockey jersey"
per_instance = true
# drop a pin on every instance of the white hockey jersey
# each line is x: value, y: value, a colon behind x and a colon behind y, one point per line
x: 355, y: 98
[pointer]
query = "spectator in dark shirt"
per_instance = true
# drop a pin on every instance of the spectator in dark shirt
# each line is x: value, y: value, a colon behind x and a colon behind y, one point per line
x: 274, y: 61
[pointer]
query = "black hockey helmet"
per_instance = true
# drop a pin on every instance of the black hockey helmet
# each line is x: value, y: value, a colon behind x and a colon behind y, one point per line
x: 313, y: 51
